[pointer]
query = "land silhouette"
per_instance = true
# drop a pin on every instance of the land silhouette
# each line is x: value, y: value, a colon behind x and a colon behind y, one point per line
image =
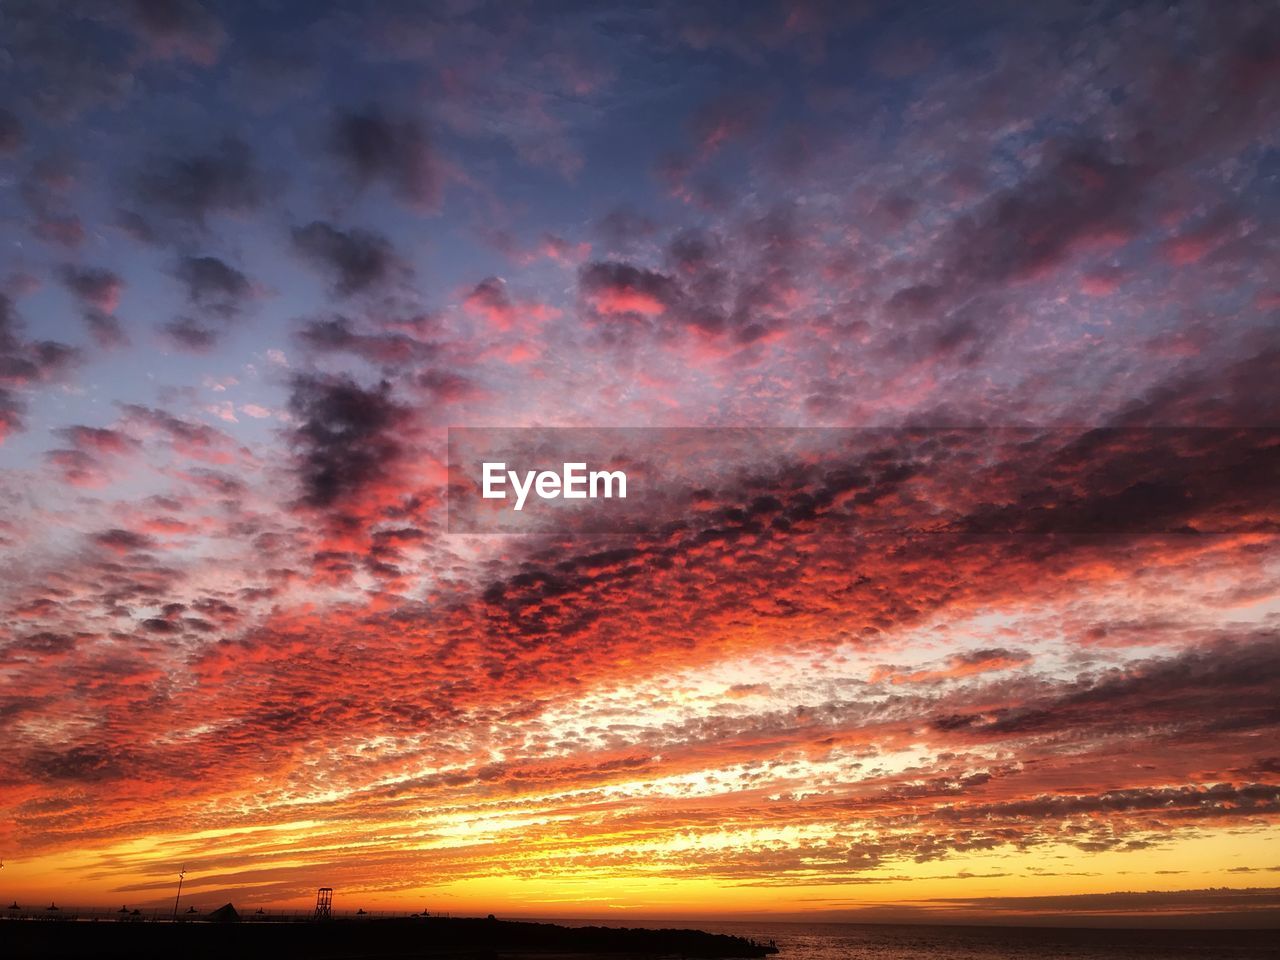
x: 225, y: 933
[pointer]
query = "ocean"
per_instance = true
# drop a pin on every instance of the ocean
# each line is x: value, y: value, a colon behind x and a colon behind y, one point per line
x: 859, y: 941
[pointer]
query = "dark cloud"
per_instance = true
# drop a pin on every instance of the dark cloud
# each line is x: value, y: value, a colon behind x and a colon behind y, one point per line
x: 84, y: 764
x: 733, y: 289
x: 614, y: 289
x: 136, y: 226
x: 191, y: 187
x: 64, y: 61
x: 44, y: 643
x: 10, y: 325
x: 1219, y: 800
x: 215, y: 287
x: 12, y: 136
x: 348, y: 438
x: 190, y: 334
x: 72, y: 56
x: 1079, y: 194
x: 25, y: 363
x: 217, y: 293
x: 1232, y: 685
x: 388, y: 349
x: 123, y: 540
x: 47, y: 192
x: 397, y: 152
x: 177, y: 28
x: 1238, y: 393
x: 991, y: 655
x: 354, y: 260
x: 106, y: 329
x: 99, y: 294
x: 12, y: 409
x: 445, y: 386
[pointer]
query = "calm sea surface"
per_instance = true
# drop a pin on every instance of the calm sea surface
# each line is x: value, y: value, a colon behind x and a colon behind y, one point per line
x: 855, y: 941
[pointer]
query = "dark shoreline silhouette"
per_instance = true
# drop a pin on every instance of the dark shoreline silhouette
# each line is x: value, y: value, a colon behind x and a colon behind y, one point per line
x: 437, y: 937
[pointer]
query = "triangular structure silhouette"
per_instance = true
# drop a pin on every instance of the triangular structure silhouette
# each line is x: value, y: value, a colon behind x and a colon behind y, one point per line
x: 224, y: 914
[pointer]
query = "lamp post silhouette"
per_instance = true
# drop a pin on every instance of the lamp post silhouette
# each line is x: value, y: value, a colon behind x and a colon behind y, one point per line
x: 181, y: 873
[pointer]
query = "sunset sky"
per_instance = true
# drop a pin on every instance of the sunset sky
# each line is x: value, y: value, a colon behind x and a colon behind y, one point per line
x: 259, y: 257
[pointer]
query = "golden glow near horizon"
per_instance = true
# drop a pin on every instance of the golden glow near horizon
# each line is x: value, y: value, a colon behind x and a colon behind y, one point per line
x: 1215, y: 859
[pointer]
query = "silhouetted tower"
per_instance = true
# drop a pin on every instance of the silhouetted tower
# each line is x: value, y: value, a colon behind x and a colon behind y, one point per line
x: 324, y: 904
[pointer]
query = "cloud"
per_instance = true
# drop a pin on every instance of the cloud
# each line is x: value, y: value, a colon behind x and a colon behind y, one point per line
x: 728, y: 293
x: 12, y: 135
x: 99, y: 294
x: 213, y: 285
x: 959, y: 665
x: 78, y: 468
x: 724, y: 119
x: 24, y: 364
x: 84, y: 462
x: 217, y: 293
x: 615, y: 289
x: 99, y: 440
x: 399, y: 153
x: 11, y: 413
x: 355, y: 261
x: 489, y: 299
x: 186, y: 438
x: 191, y: 334
x: 348, y: 439
x: 624, y: 227
x: 386, y: 348
x: 63, y: 65
x: 192, y: 187
x: 47, y: 192
x: 99, y: 289
x: 178, y: 29
x: 1226, y: 686
x: 123, y: 541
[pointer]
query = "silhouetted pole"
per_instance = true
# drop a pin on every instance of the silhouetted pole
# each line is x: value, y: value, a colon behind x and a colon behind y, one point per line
x: 181, y: 873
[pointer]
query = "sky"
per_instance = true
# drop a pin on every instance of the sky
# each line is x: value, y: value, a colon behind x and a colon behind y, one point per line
x: 1013, y: 654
